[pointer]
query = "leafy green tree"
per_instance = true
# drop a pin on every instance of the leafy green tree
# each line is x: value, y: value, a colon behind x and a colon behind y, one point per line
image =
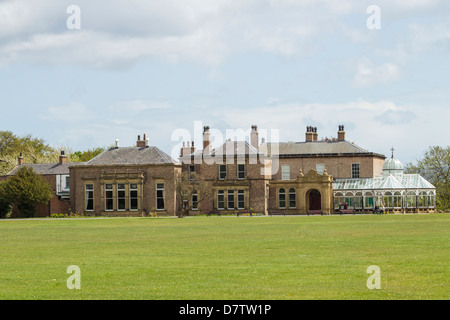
x: 27, y: 189
x: 89, y: 154
x: 36, y: 150
x: 5, y: 205
x: 11, y: 146
x: 435, y: 167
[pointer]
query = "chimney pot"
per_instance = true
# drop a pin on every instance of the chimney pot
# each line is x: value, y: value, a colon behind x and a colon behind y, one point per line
x: 309, y: 134
x: 254, y: 140
x: 62, y: 157
x: 206, y: 140
x: 315, y: 134
x: 341, y: 133
x: 20, y: 159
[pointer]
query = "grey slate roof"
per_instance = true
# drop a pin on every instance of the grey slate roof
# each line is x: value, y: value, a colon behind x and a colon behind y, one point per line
x: 48, y: 168
x: 132, y: 155
x: 314, y: 147
x: 234, y: 148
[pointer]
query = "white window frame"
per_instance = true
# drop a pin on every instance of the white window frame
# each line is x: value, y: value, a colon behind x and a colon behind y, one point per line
x: 119, y: 189
x: 295, y: 198
x: 354, y: 166
x: 221, y: 171
x: 194, y: 202
x: 320, y: 168
x: 220, y: 193
x: 279, y: 200
x: 240, y: 171
x: 285, y: 172
x: 241, y: 199
x: 106, y: 196
x: 230, y: 193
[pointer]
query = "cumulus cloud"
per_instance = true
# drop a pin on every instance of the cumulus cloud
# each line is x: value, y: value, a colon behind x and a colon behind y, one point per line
x: 117, y: 34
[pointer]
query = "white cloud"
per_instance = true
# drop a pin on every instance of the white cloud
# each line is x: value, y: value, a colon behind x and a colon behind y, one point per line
x: 117, y: 33
x: 368, y: 73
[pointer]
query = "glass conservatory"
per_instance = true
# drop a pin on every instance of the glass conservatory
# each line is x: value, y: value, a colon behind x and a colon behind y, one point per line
x: 396, y: 191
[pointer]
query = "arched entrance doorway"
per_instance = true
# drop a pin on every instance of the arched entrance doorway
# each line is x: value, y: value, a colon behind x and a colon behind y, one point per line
x: 314, y: 200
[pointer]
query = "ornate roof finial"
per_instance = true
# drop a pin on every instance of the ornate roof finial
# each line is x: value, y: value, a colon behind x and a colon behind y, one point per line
x: 392, y: 149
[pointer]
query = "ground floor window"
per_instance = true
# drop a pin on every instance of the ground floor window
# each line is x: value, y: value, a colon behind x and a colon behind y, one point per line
x: 292, y: 198
x: 134, y: 199
x: 160, y: 196
x: 220, y: 200
x: 230, y: 199
x: 195, y: 200
x: 89, y: 197
x: 109, y: 197
x: 282, y: 198
x: 241, y: 199
x: 121, y: 197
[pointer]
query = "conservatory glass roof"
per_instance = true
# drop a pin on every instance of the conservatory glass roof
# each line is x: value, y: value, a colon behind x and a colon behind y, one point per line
x: 391, y: 182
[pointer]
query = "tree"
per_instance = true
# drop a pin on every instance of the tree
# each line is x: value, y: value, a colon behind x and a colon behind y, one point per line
x: 191, y: 191
x: 435, y: 167
x: 12, y: 145
x: 26, y: 189
x: 87, y: 155
x: 5, y: 205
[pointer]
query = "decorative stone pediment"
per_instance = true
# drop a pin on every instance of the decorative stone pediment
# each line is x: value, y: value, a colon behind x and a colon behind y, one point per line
x: 313, y: 175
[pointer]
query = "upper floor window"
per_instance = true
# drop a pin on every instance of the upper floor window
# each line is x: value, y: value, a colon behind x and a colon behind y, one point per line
x: 191, y: 170
x: 241, y: 171
x: 222, y: 171
x: 355, y: 170
x: 320, y: 167
x: 285, y: 172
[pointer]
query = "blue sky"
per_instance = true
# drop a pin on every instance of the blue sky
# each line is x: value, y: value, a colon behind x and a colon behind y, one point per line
x: 156, y: 67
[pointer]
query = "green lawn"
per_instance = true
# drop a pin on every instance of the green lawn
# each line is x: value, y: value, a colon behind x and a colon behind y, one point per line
x: 316, y: 257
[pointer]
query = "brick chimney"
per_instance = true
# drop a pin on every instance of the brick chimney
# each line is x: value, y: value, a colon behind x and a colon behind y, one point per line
x: 206, y: 140
x: 62, y: 157
x: 187, y: 149
x: 341, y: 133
x: 20, y: 159
x: 142, y: 143
x: 309, y: 134
x: 315, y: 134
x: 254, y: 141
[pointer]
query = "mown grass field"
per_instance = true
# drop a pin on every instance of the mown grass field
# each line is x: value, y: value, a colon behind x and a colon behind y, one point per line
x: 316, y: 257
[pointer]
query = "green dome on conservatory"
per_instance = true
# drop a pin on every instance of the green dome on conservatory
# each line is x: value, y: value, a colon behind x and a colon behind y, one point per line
x: 392, y: 166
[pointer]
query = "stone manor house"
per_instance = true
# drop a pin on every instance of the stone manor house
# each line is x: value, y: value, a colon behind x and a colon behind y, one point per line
x: 308, y: 177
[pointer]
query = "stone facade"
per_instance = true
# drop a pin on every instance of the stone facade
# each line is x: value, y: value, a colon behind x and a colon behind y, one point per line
x: 124, y: 190
x: 242, y: 177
